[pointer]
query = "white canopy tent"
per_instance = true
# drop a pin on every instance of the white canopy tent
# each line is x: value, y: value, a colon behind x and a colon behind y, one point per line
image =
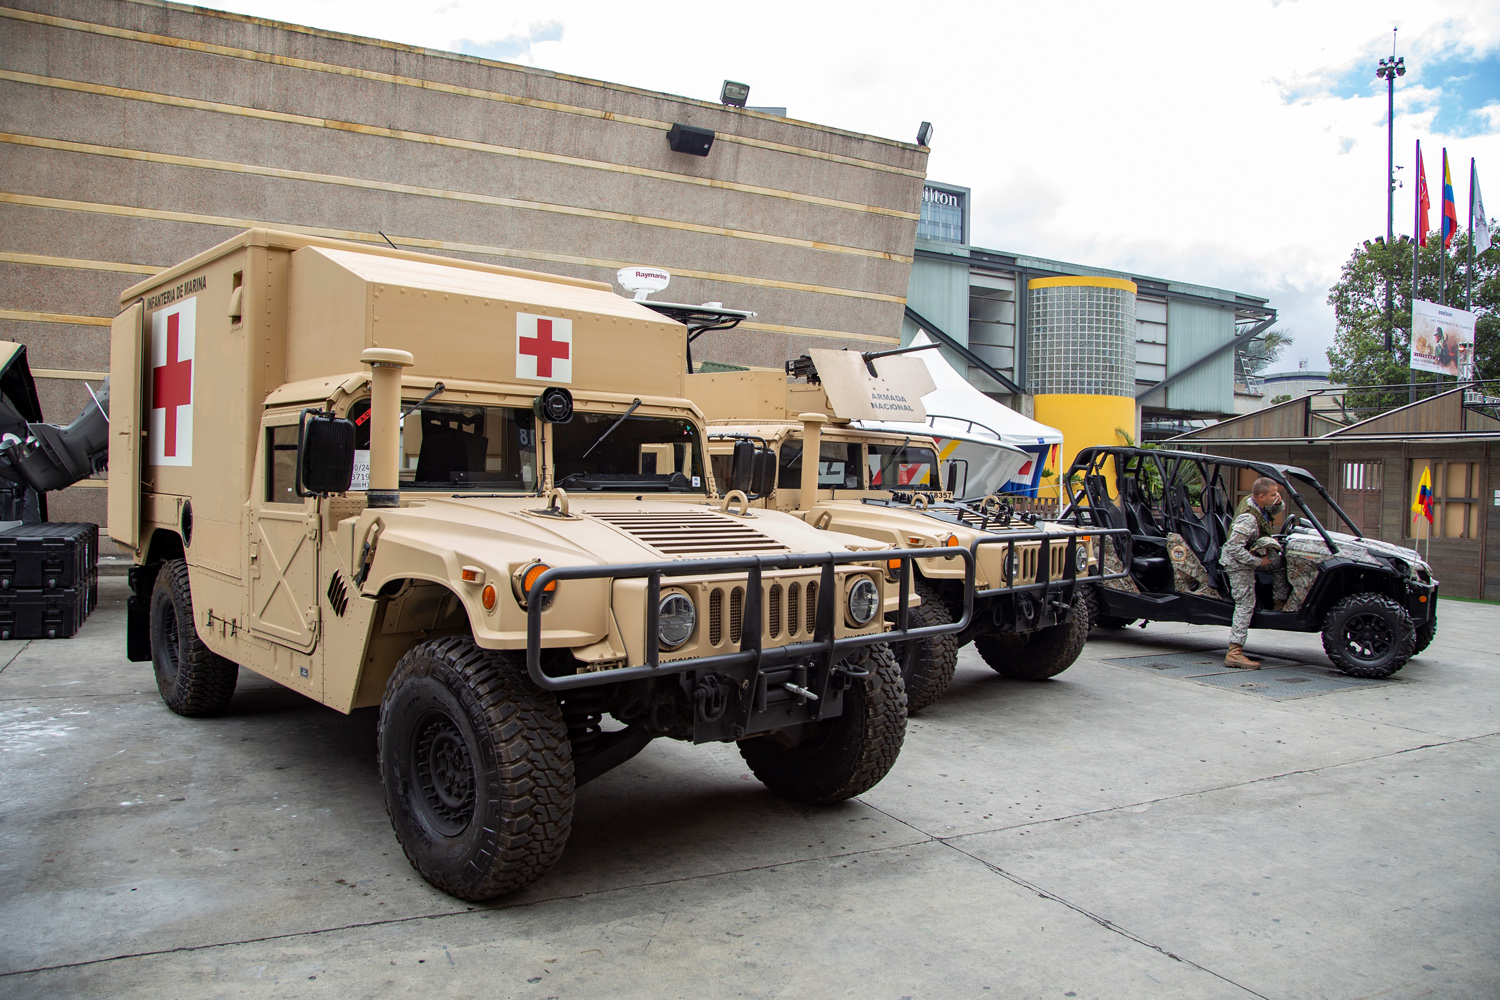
x: 1002, y: 451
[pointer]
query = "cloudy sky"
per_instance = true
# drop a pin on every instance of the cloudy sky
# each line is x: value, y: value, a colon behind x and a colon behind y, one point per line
x: 1234, y: 144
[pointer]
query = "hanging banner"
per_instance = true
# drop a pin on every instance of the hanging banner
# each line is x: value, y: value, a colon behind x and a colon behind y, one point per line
x: 1442, y: 339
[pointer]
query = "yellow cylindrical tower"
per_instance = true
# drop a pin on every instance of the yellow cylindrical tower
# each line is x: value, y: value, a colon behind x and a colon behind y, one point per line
x: 1081, y: 359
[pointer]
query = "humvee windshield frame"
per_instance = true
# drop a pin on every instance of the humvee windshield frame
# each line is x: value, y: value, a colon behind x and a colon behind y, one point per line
x: 643, y: 453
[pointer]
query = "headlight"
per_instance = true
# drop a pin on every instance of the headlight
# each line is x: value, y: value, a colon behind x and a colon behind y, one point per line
x: 864, y: 601
x: 1081, y: 558
x: 1011, y: 566
x: 675, y: 620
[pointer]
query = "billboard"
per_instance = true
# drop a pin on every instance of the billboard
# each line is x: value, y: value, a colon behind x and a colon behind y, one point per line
x: 1442, y: 339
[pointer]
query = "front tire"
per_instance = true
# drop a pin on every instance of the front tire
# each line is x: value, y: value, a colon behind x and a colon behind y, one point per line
x: 1036, y: 656
x: 193, y: 679
x: 1367, y: 635
x: 1425, y: 633
x: 927, y: 670
x: 838, y: 759
x: 477, y: 769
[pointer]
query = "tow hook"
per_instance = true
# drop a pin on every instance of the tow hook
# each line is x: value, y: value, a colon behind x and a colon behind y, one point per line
x: 712, y: 697
x: 846, y: 673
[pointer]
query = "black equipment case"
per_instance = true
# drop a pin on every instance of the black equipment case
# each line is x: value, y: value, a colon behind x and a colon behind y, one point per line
x: 49, y: 579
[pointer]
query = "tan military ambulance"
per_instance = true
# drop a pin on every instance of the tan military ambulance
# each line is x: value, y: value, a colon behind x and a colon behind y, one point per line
x: 477, y: 498
x: 1030, y: 617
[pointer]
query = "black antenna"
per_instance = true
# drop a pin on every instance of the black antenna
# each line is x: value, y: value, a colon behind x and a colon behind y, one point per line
x: 388, y: 240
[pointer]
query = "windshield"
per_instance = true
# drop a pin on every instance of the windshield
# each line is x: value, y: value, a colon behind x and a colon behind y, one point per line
x: 838, y: 465
x: 902, y: 467
x: 455, y: 447
x: 640, y: 454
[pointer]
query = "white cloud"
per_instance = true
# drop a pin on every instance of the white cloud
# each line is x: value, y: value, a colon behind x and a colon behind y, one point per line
x: 1221, y: 144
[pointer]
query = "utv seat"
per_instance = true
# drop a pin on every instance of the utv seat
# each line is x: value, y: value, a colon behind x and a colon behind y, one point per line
x: 1149, y: 567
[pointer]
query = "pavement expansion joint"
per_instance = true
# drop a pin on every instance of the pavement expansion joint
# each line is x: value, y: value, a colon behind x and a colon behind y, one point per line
x: 1102, y: 921
x: 1277, y: 679
x: 23, y: 647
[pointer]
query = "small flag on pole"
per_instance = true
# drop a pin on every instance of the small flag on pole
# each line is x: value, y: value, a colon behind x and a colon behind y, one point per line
x: 1481, y: 221
x: 1424, y: 201
x: 1450, y: 209
x: 1421, y: 506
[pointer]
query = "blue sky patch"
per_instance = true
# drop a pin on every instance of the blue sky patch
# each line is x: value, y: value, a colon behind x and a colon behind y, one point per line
x: 1466, y: 82
x: 512, y: 47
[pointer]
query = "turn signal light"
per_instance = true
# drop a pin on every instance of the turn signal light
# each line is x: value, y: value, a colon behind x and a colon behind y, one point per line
x: 523, y: 579
x: 894, y: 565
x: 952, y: 542
x: 487, y: 595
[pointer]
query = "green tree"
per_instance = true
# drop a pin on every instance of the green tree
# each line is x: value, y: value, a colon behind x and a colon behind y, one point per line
x: 1358, y: 357
x: 1258, y: 355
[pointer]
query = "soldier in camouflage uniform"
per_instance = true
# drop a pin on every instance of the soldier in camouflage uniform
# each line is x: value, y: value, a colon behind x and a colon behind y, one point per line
x: 1249, y: 537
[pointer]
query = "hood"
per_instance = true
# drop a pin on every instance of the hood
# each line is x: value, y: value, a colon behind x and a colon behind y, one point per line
x: 1368, y: 550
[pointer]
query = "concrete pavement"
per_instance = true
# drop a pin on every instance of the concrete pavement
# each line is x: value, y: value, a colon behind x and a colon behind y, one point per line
x: 1109, y: 833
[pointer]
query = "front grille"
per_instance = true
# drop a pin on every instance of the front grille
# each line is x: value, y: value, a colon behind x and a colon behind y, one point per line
x: 691, y: 532
x: 790, y: 611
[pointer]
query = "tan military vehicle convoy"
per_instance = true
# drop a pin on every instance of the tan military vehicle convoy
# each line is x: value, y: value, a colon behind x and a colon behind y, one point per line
x: 1030, y: 616
x: 479, y: 499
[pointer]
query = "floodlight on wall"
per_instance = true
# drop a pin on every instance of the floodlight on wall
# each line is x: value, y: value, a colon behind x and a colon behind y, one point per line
x: 734, y: 94
x: 924, y: 134
x: 690, y: 139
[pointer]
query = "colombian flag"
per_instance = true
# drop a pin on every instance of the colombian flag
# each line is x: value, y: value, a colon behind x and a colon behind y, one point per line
x: 1422, y: 505
x: 1450, y: 210
x: 1424, y: 202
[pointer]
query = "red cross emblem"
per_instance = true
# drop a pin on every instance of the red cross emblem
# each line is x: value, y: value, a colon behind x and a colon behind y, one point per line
x: 171, y: 387
x: 544, y: 348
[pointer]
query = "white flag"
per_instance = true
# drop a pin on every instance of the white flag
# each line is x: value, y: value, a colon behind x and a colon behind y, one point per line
x: 1481, y: 221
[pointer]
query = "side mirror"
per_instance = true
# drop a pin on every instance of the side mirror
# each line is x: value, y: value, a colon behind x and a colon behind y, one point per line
x: 743, y: 470
x: 325, y: 454
x: 763, y: 481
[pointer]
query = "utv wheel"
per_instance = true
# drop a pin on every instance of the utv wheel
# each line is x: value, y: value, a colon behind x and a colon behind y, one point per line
x: 927, y: 669
x: 1035, y: 656
x: 192, y: 679
x: 839, y: 758
x: 1367, y: 635
x: 1098, y: 619
x: 477, y: 769
x: 1424, y: 635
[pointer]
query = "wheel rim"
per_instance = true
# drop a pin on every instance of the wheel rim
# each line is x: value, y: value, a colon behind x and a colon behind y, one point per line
x: 168, y: 665
x: 1368, y: 636
x: 444, y: 774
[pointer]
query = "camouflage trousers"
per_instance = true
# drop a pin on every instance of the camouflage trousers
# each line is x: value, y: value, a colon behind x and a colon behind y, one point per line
x: 1242, y: 588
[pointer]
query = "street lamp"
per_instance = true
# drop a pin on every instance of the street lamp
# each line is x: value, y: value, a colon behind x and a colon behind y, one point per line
x: 1388, y: 70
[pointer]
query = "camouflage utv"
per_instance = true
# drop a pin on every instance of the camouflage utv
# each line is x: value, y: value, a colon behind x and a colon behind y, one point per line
x: 1374, y: 603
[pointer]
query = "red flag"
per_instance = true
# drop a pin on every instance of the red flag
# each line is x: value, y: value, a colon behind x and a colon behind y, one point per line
x: 1423, y: 201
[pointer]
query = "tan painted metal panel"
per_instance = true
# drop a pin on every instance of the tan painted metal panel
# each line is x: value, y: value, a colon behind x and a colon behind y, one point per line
x: 126, y: 357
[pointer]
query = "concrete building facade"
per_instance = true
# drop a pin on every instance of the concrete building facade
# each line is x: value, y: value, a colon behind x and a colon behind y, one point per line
x: 136, y: 134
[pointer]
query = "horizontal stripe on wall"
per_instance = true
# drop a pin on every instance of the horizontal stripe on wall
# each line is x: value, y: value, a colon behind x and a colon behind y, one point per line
x: 28, y: 316
x: 803, y: 331
x: 128, y: 211
x: 308, y: 176
x: 437, y: 140
x: 69, y: 373
x: 375, y: 76
x: 87, y: 265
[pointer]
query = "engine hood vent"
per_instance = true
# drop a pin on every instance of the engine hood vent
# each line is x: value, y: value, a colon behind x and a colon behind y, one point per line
x: 691, y: 532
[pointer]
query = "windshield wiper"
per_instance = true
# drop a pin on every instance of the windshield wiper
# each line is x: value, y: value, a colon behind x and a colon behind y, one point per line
x: 896, y: 456
x: 611, y: 429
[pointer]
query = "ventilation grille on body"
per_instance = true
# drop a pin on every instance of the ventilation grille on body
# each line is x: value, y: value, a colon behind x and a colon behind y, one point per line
x: 691, y: 532
x: 791, y: 611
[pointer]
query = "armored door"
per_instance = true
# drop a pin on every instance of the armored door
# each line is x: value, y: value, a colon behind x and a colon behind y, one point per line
x: 283, y: 557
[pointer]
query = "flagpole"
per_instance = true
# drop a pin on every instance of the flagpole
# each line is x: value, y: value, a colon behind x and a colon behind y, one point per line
x: 1443, y: 236
x: 1416, y: 259
x: 1469, y: 275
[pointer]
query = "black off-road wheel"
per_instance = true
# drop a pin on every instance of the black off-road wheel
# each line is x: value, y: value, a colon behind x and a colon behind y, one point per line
x: 838, y: 759
x: 1367, y: 635
x: 193, y: 680
x: 927, y: 665
x: 1036, y: 656
x: 1098, y: 618
x: 477, y: 769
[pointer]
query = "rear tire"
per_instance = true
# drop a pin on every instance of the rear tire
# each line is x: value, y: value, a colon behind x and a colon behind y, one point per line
x: 193, y: 680
x: 1036, y: 656
x: 1098, y: 619
x: 927, y: 669
x: 477, y: 769
x: 839, y: 758
x: 1367, y: 635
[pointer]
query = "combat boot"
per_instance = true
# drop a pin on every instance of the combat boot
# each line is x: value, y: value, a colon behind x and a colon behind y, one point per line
x: 1238, y: 660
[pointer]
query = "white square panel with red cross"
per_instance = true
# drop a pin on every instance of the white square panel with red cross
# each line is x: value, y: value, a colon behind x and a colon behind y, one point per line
x: 171, y: 383
x: 544, y: 348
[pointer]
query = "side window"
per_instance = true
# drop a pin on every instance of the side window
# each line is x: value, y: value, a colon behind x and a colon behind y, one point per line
x: 281, y: 464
